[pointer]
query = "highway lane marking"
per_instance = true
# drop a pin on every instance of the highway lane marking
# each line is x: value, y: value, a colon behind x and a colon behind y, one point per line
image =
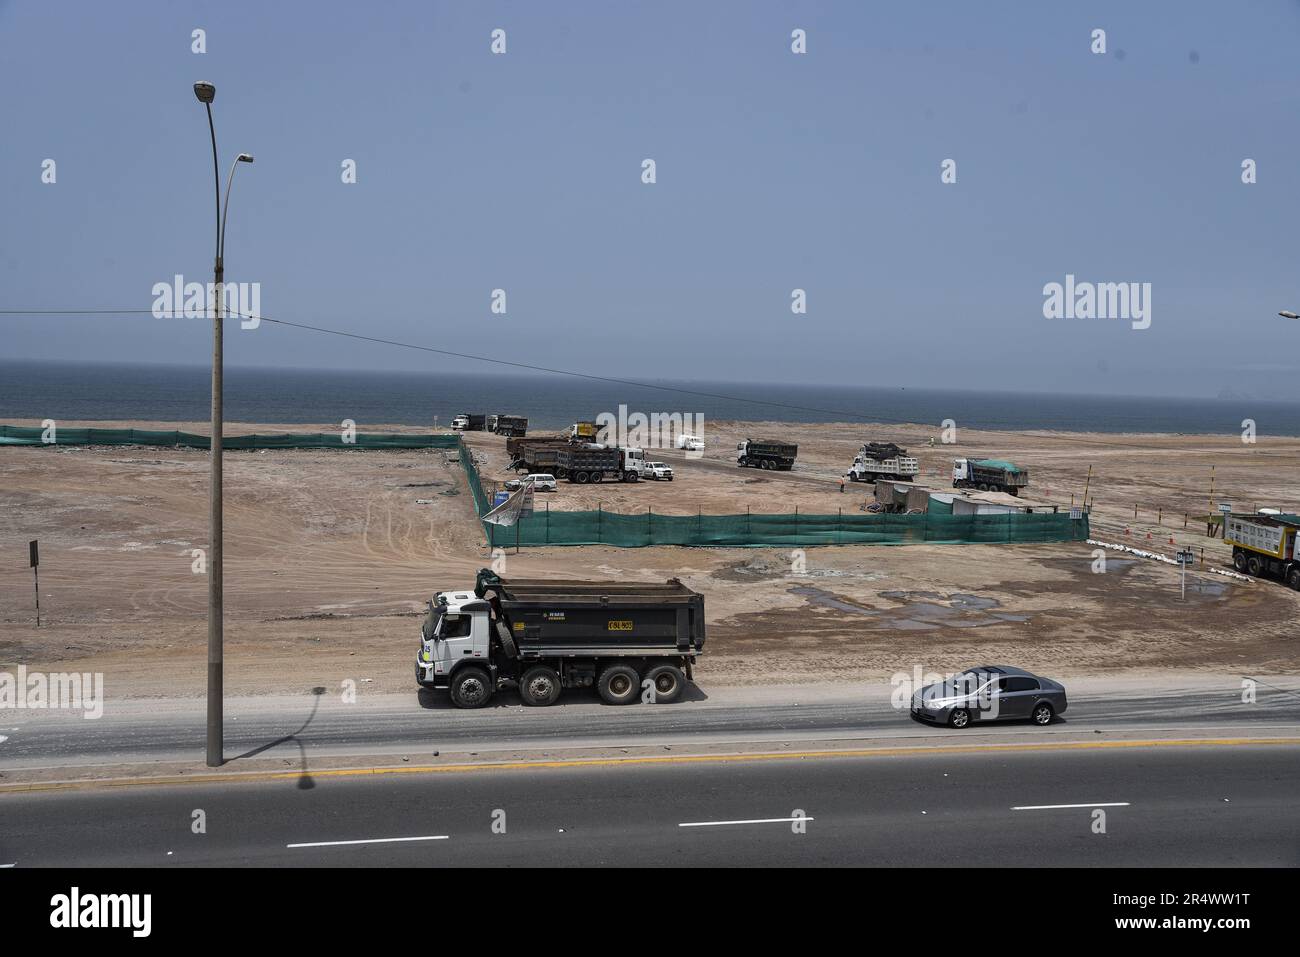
x: 262, y: 776
x: 1057, y: 807
x: 757, y: 820
x: 373, y: 840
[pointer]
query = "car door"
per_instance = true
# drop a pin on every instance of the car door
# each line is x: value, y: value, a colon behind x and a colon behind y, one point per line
x: 1019, y: 696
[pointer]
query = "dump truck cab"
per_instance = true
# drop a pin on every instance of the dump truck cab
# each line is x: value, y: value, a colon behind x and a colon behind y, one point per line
x: 456, y: 632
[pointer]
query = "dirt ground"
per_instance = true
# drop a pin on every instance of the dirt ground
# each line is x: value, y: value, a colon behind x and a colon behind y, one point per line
x: 330, y: 555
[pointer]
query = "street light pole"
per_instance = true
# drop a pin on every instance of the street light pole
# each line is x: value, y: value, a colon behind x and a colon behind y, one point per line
x: 206, y: 93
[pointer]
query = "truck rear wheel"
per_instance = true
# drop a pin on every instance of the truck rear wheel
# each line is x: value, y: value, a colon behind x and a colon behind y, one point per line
x: 668, y: 682
x: 539, y: 686
x: 1255, y: 566
x: 1293, y: 578
x: 580, y: 477
x: 1239, y: 560
x: 597, y: 477
x: 471, y: 687
x: 619, y: 684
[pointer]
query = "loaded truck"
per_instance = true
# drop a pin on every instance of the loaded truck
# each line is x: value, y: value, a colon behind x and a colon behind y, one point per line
x: 632, y: 641
x: 587, y: 462
x: 535, y: 455
x: 468, y: 422
x: 989, y: 475
x: 882, y: 460
x: 766, y: 454
x: 515, y: 425
x: 1265, y: 546
x: 583, y: 431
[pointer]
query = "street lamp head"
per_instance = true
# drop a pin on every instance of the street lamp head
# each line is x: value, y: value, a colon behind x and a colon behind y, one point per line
x: 1289, y: 315
x: 205, y: 91
x: 244, y: 158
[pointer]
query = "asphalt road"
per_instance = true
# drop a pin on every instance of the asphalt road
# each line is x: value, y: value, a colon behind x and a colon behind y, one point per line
x: 1225, y: 805
x: 300, y: 727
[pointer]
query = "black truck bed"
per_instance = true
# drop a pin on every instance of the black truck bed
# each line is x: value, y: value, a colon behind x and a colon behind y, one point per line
x: 598, y: 618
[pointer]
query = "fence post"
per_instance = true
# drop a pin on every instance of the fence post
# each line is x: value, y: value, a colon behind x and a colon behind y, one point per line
x: 600, y: 508
x: 649, y: 526
x: 548, y: 521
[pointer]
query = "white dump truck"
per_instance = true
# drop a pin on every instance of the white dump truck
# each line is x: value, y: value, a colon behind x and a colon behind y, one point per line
x: 634, y: 641
x: 1265, y: 545
x: 883, y: 460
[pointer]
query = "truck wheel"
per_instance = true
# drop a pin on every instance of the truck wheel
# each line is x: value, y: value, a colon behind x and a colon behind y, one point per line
x: 619, y: 684
x: 597, y: 477
x: 581, y: 477
x: 1293, y: 578
x: 1239, y: 561
x: 743, y: 463
x: 668, y: 682
x: 540, y: 686
x: 1255, y: 566
x: 471, y: 688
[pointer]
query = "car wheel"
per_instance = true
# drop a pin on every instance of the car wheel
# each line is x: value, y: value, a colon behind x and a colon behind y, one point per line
x: 959, y: 718
x: 539, y: 686
x: 471, y: 688
x: 618, y: 684
x: 668, y: 682
x: 1043, y: 714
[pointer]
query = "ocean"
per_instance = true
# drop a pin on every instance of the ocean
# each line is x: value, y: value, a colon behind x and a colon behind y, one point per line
x: 74, y: 391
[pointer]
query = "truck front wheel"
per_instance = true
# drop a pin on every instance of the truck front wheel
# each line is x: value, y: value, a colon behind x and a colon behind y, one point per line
x: 668, y: 682
x: 619, y: 684
x: 540, y: 686
x: 471, y: 687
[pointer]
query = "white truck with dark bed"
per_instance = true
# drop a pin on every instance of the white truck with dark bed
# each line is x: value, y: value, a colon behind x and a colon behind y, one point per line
x: 631, y: 640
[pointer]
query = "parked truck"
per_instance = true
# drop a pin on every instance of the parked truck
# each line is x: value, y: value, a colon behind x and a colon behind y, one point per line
x: 468, y: 422
x: 766, y: 454
x: 536, y: 454
x: 516, y: 425
x: 883, y: 460
x: 989, y: 475
x: 583, y: 431
x: 632, y: 641
x: 1265, y: 546
x: 586, y: 462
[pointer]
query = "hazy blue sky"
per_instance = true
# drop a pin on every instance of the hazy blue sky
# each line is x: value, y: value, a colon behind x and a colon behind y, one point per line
x: 775, y: 171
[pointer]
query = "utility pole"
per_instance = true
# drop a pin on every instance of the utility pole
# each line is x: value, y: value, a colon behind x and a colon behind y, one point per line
x: 206, y: 93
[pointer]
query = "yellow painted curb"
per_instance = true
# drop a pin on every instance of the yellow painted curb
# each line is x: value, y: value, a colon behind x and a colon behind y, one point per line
x: 253, y: 776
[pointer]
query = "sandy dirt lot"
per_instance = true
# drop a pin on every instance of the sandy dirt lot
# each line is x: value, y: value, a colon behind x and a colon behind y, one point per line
x: 330, y: 555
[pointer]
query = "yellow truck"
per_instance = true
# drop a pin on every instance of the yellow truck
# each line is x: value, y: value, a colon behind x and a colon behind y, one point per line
x: 1265, y: 546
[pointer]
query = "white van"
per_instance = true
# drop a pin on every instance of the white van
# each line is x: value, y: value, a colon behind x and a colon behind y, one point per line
x: 542, y: 482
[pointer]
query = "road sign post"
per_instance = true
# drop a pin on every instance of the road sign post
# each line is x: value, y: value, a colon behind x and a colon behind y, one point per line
x: 34, y: 556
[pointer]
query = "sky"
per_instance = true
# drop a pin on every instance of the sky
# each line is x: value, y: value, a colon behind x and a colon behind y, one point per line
x: 775, y: 171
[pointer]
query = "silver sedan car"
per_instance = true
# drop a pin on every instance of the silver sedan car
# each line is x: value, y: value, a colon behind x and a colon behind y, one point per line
x: 990, y: 693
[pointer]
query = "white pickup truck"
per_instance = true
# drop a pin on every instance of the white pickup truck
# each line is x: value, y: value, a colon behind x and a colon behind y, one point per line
x: 658, y: 471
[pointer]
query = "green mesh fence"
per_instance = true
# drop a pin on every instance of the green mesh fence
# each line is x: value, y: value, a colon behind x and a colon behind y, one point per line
x: 547, y: 527
x: 26, y: 435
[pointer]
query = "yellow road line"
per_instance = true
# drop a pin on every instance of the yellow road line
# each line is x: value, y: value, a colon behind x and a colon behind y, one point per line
x: 253, y: 776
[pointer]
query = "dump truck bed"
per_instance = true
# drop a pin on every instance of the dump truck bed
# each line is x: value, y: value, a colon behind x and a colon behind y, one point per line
x: 599, y: 618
